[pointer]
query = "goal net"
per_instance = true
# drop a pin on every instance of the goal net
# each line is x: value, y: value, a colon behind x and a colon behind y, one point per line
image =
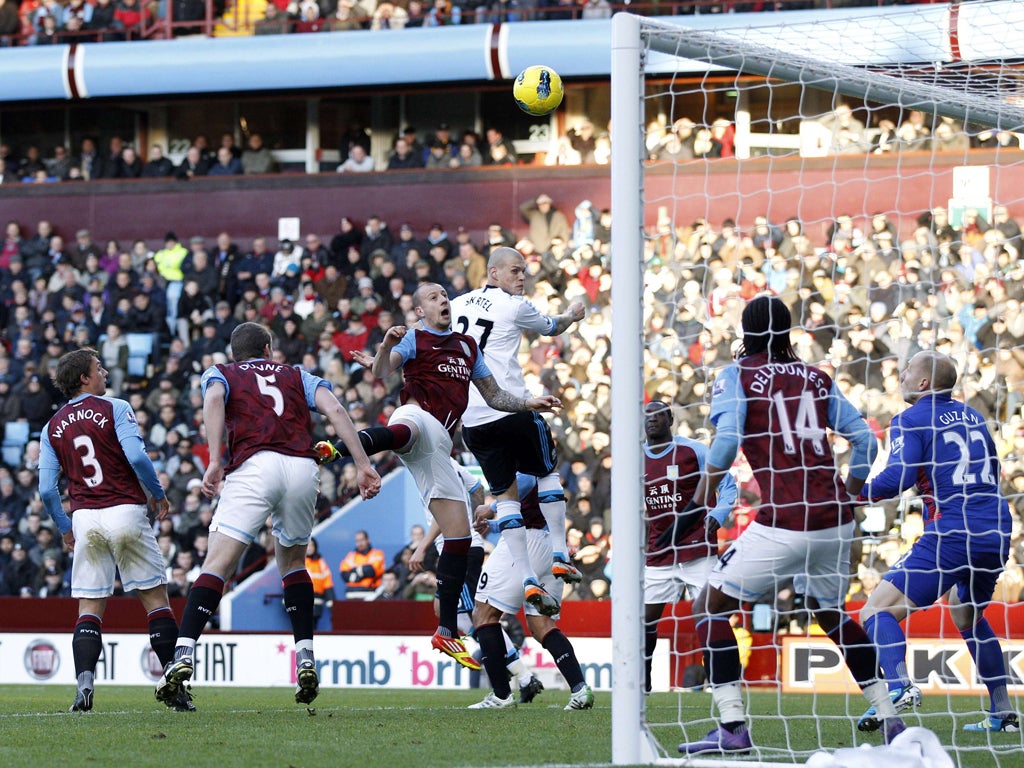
x: 866, y: 166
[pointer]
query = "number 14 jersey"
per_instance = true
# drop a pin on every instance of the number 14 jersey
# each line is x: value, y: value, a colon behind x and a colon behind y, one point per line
x: 783, y: 409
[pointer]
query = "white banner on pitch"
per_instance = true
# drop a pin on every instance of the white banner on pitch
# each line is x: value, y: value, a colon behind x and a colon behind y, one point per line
x: 345, y: 661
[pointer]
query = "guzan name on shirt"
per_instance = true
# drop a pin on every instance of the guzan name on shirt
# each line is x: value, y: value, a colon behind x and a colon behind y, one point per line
x: 952, y: 417
x: 86, y: 414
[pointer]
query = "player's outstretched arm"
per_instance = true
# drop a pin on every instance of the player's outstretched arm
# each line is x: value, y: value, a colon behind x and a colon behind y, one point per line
x: 906, y: 456
x: 387, y: 361
x: 500, y: 400
x: 564, y: 321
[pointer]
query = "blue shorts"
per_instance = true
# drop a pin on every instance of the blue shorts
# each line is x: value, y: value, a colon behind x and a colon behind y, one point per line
x: 938, y: 562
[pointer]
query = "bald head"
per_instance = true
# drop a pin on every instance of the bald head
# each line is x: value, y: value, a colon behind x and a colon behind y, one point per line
x: 421, y: 290
x: 430, y: 304
x: 506, y: 269
x: 502, y: 256
x: 926, y: 373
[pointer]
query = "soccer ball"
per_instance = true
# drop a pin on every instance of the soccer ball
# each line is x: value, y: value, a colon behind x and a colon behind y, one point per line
x: 538, y: 90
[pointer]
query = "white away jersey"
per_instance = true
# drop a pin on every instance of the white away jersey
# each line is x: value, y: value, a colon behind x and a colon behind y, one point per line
x: 497, y: 320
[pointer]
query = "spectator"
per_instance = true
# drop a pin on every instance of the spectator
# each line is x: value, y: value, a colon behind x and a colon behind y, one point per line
x: 274, y: 22
x: 323, y: 584
x: 7, y: 176
x: 376, y: 235
x: 403, y: 155
x: 545, y: 221
x: 583, y: 141
x: 132, y: 16
x: 257, y: 158
x: 362, y: 568
x: 31, y: 164
x: 227, y: 164
x: 193, y: 165
x: 390, y: 587
x: 59, y: 166
x: 105, y: 21
x: 158, y: 166
x: 309, y: 18
x: 495, y: 138
x: 358, y: 161
x: 10, y: 24
x: 468, y: 157
x: 846, y: 132
x: 350, y: 15
x: 389, y: 16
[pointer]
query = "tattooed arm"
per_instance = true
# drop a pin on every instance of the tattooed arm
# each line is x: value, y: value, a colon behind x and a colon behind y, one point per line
x: 500, y: 400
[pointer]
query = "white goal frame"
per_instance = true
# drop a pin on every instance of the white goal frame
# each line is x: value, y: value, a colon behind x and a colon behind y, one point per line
x: 633, y: 37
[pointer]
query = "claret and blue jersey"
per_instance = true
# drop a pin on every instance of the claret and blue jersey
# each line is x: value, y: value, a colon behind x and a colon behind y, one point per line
x: 438, y: 367
x: 944, y: 448
x: 779, y: 411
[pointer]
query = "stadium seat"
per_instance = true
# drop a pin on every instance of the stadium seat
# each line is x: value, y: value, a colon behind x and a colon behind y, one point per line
x: 140, y: 349
x: 15, y: 434
x: 12, y: 455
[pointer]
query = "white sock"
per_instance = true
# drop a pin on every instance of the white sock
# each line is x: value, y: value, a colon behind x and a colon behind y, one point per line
x: 519, y: 671
x: 550, y: 486
x: 516, y: 538
x: 877, y: 695
x: 729, y: 700
x: 185, y: 646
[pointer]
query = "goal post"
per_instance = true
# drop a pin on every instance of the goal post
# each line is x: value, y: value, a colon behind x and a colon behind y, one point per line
x: 772, y: 80
x: 631, y: 741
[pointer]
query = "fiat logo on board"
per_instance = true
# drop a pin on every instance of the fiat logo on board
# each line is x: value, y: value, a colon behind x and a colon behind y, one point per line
x: 42, y: 660
x: 150, y: 664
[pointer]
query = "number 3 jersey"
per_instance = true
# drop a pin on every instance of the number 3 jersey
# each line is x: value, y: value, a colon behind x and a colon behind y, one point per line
x: 496, y: 320
x: 944, y: 448
x: 85, y: 436
x: 266, y: 408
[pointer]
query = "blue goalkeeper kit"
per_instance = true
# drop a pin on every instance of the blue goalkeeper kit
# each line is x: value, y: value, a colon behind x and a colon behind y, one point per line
x: 944, y: 448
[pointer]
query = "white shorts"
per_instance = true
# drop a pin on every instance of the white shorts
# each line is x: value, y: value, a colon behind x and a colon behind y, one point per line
x: 429, y: 458
x: 763, y: 558
x: 118, y: 537
x: 269, y: 484
x: 501, y: 584
x: 665, y: 584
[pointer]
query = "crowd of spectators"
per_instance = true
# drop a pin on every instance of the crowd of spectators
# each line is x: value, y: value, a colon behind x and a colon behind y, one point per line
x: 440, y: 149
x: 866, y: 294
x: 41, y: 22
x: 121, y: 160
x: 443, y: 148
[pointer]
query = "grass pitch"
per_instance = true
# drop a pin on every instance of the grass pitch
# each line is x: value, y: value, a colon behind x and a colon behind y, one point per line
x: 253, y: 727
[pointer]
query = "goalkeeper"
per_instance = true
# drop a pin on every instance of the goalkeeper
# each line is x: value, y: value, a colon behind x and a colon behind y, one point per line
x: 944, y: 448
x: 682, y: 541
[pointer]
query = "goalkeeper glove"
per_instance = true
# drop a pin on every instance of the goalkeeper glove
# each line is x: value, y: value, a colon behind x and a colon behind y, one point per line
x: 326, y: 452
